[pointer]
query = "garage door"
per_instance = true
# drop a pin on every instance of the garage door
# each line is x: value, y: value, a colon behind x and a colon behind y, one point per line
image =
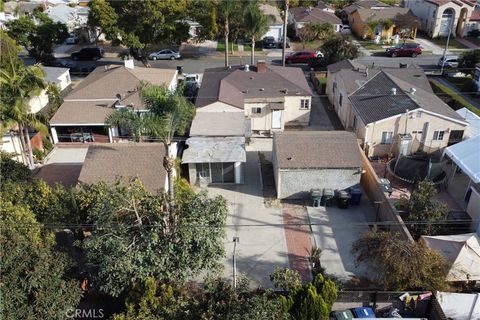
x: 274, y: 31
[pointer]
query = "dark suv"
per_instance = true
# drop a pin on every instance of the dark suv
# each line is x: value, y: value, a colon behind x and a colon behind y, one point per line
x: 88, y: 54
x: 405, y: 50
x: 269, y: 43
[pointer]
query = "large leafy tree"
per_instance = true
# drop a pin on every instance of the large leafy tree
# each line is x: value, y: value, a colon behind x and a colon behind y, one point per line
x: 34, y: 282
x: 18, y: 84
x: 426, y: 211
x: 468, y: 60
x: 338, y: 48
x: 38, y: 36
x: 400, y: 264
x: 205, y: 12
x: 255, y: 24
x: 135, y: 236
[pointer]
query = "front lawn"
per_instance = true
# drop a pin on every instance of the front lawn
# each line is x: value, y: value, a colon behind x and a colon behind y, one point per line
x: 452, y: 44
x: 312, y: 45
x: 450, y: 97
x: 464, y: 84
x: 246, y: 47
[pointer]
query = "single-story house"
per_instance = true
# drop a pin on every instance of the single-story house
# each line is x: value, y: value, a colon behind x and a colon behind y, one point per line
x: 81, y: 117
x: 304, y: 160
x: 437, y: 17
x: 269, y: 97
x: 53, y: 75
x: 109, y: 162
x: 73, y: 17
x: 275, y: 23
x: 216, y: 148
x: 392, y: 110
x: 462, y: 252
x: 361, y: 18
x: 301, y: 16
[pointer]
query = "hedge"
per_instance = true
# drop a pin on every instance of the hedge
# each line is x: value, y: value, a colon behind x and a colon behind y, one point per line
x: 454, y: 100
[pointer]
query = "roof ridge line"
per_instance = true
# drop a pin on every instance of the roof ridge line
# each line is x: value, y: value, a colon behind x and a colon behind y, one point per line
x: 301, y: 89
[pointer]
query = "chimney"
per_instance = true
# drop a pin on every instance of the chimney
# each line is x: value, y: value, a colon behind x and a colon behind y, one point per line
x: 261, y: 66
x: 394, y: 91
x: 247, y: 68
x: 412, y: 91
x: 128, y: 63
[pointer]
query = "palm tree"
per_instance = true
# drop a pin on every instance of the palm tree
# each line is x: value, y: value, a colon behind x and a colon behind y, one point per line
x: 226, y: 11
x: 134, y: 123
x: 255, y: 24
x: 19, y: 84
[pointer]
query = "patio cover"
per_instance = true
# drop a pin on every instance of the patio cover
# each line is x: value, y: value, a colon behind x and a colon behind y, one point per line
x: 463, y: 253
x: 215, y: 149
x: 466, y: 155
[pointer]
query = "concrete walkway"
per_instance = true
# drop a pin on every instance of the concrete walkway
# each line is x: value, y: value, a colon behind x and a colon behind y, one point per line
x: 429, y: 45
x: 262, y: 245
x: 451, y: 86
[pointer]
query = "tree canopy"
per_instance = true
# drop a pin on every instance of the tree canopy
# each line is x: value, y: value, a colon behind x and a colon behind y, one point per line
x: 468, y: 60
x: 338, y: 48
x: 400, y: 264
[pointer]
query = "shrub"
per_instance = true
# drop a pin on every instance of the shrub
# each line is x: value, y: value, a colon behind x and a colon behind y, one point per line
x: 452, y: 98
x: 47, y: 144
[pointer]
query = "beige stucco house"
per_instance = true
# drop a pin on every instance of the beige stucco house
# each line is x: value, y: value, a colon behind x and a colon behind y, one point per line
x: 392, y: 110
x: 437, y: 17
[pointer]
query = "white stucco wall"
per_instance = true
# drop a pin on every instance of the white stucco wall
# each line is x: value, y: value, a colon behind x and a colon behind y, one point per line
x: 219, y: 107
x: 275, y: 31
x: 39, y: 102
x: 11, y: 143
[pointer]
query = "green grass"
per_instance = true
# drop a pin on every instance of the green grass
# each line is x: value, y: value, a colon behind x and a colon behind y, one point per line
x: 247, y: 47
x: 452, y: 44
x: 464, y: 84
x: 452, y: 98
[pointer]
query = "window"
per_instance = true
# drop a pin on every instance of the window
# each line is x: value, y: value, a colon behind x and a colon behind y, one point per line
x: 387, y: 137
x: 354, y: 125
x: 438, y: 135
x: 340, y: 99
x: 304, y: 104
x: 419, y: 114
x: 256, y: 110
x: 334, y: 86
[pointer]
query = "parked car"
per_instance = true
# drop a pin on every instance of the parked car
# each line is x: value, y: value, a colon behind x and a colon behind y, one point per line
x: 363, y: 312
x: 93, y: 53
x: 302, y: 56
x: 318, y: 63
x: 345, y: 29
x: 72, y: 39
x: 164, y: 54
x: 280, y: 43
x: 450, y: 62
x: 405, y: 50
x: 341, y: 315
x: 269, y: 43
x: 75, y: 68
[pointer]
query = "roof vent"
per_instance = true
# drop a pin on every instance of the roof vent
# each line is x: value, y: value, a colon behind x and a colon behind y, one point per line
x: 394, y: 91
x: 262, y: 89
x: 247, y: 68
x: 245, y: 91
x: 284, y: 90
x: 251, y: 78
x: 289, y: 158
x: 412, y: 91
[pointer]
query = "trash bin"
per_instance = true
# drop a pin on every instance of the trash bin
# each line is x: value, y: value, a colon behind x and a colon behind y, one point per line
x: 327, y: 198
x: 355, y: 196
x: 180, y: 69
x: 316, y: 195
x: 343, y: 197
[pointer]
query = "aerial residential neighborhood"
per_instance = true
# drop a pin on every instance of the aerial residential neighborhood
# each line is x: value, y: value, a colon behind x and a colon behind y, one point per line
x: 227, y: 159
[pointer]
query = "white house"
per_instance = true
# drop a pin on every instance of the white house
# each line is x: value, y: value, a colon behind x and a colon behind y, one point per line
x: 437, y: 17
x: 53, y: 75
x: 301, y: 16
x: 73, y: 17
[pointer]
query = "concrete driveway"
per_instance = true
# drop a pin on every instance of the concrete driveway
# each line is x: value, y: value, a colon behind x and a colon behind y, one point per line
x: 334, y: 231
x: 262, y: 244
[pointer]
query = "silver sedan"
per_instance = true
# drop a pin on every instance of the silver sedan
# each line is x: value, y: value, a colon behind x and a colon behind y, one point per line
x: 164, y: 54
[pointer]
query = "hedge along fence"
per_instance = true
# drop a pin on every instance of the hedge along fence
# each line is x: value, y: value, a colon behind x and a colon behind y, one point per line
x: 319, y: 80
x: 453, y: 99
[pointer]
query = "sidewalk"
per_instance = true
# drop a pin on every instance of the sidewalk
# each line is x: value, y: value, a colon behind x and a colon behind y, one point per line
x: 429, y: 46
x: 451, y: 86
x: 467, y: 43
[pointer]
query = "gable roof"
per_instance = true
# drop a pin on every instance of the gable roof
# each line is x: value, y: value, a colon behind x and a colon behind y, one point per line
x: 108, y: 162
x: 233, y: 86
x: 273, y: 12
x: 219, y: 124
x: 314, y: 14
x: 322, y: 5
x: 316, y: 149
x: 388, y: 13
x: 52, y: 74
x: 367, y: 4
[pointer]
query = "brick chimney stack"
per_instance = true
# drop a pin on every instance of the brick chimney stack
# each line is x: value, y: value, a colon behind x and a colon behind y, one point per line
x: 261, y: 66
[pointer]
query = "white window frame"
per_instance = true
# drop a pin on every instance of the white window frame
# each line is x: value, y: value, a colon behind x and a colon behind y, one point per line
x: 387, y: 137
x: 438, y: 135
x: 304, y: 104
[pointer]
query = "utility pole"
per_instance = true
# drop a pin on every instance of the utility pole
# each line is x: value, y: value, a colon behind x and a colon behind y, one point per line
x: 285, y: 22
x: 450, y: 27
x: 235, y: 240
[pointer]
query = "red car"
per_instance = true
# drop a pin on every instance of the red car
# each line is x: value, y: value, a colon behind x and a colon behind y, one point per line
x: 302, y: 56
x: 405, y: 50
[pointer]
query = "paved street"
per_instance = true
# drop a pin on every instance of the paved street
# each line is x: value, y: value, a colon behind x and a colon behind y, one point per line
x: 262, y: 246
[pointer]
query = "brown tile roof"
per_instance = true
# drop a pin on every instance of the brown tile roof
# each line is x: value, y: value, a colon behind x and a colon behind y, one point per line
x: 314, y: 15
x: 82, y: 112
x: 475, y: 16
x: 458, y: 2
x: 387, y: 13
x: 367, y: 4
x: 316, y: 149
x: 233, y: 86
x: 108, y: 162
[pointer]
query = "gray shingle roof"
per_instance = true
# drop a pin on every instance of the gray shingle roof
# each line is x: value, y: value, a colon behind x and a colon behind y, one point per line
x: 233, y: 86
x: 387, y: 13
x: 214, y: 149
x: 315, y: 15
x: 220, y: 124
x: 316, y: 149
x: 82, y: 112
x: 108, y: 162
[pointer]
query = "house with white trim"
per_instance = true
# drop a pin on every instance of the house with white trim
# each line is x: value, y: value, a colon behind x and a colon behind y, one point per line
x: 392, y: 110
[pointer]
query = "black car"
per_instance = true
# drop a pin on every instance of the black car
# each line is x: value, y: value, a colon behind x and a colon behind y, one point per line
x: 269, y: 43
x: 75, y: 68
x: 88, y: 54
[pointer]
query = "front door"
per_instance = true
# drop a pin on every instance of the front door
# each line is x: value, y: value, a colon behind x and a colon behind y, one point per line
x: 276, y: 119
x: 455, y: 136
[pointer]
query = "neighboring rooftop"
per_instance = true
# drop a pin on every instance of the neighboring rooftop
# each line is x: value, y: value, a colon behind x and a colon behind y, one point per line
x: 53, y: 73
x: 233, y: 86
x: 457, y: 2
x: 366, y: 4
x: 272, y: 12
x: 322, y: 5
x: 24, y: 6
x: 218, y: 124
x: 314, y: 14
x: 214, y: 149
x: 316, y: 149
x: 109, y: 162
x: 389, y: 13
x: 473, y: 120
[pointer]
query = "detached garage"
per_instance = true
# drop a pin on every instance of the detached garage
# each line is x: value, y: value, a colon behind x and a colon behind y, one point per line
x: 305, y: 160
